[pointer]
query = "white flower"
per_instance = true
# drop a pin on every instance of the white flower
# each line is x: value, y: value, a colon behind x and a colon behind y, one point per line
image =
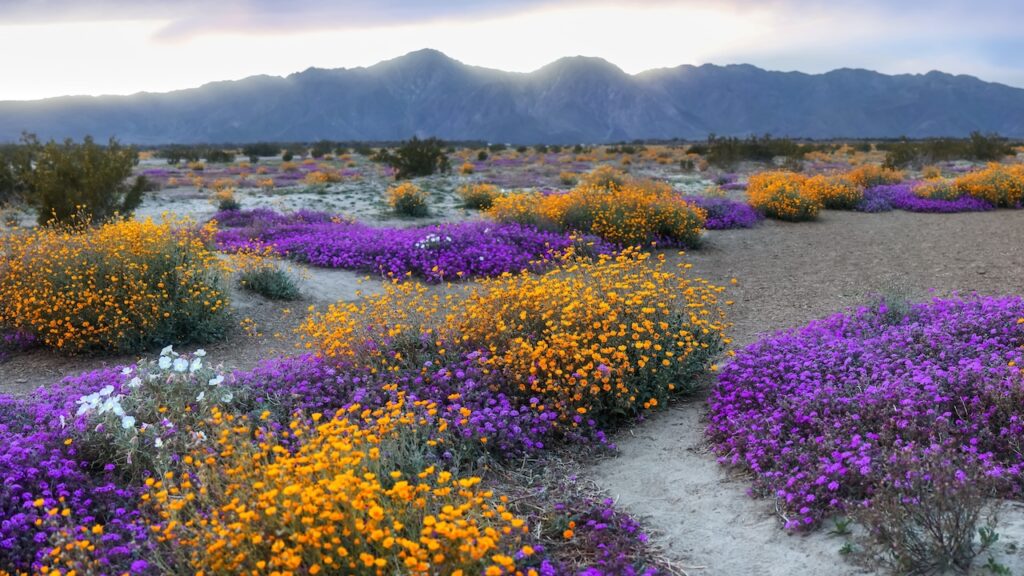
x: 165, y: 363
x: 126, y: 370
x: 63, y: 423
x: 159, y: 443
x: 217, y: 380
x: 135, y: 382
x: 167, y: 351
x: 228, y: 396
x: 200, y: 353
x: 106, y: 390
x: 201, y: 395
x: 180, y: 364
x: 127, y: 422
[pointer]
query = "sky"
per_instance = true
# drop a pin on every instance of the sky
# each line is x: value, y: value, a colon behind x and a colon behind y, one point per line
x: 64, y: 47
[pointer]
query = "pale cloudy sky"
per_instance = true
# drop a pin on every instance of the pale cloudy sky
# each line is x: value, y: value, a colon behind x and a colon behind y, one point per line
x: 59, y: 47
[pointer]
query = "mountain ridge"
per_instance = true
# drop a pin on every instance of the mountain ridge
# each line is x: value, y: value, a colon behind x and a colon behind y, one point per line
x: 573, y: 99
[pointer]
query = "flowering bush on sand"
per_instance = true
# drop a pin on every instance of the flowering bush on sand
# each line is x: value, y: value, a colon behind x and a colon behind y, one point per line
x: 782, y: 195
x: 998, y: 184
x: 434, y: 253
x: 612, y: 206
x: 819, y: 415
x: 598, y: 339
x: 120, y: 287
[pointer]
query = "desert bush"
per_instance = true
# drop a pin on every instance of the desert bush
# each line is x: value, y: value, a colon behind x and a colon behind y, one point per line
x: 834, y: 192
x: 269, y: 281
x: 938, y: 189
x: 781, y: 195
x: 931, y: 172
x: 319, y: 177
x: 321, y: 148
x: 218, y: 156
x: 122, y: 287
x: 70, y: 180
x: 15, y: 169
x: 467, y: 168
x: 416, y: 158
x: 478, y: 196
x: 976, y: 147
x: 869, y: 175
x: 226, y: 200
x: 482, y: 155
x: 145, y: 424
x: 348, y: 499
x: 637, y: 213
x: 604, y: 176
x: 522, y: 208
x: 926, y: 516
x: 568, y: 178
x: 999, y: 185
x: 260, y: 149
x: 604, y: 338
x: 726, y: 152
x: 408, y: 199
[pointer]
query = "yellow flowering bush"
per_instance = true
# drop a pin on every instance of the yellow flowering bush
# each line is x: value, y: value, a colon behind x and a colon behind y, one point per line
x: 120, y: 287
x: 937, y: 189
x: 868, y: 175
x: 931, y: 172
x: 998, y: 184
x: 622, y: 210
x: 336, y: 504
x: 408, y: 199
x: 782, y: 195
x: 634, y: 213
x: 605, y: 337
x: 467, y: 168
x: 835, y: 191
x: 604, y: 176
x: 478, y: 196
x: 522, y: 208
x: 322, y: 177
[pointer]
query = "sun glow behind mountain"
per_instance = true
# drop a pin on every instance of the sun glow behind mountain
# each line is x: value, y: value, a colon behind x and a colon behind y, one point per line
x: 149, y: 47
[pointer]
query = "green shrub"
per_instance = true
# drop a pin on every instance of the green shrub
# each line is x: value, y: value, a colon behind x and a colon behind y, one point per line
x: 87, y: 180
x: 321, y: 149
x: 270, y: 282
x: 416, y: 158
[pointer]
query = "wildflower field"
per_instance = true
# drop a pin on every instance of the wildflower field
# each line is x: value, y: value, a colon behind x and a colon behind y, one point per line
x: 523, y: 313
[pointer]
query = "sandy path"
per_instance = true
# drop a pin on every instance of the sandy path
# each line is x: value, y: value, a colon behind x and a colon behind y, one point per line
x: 790, y: 274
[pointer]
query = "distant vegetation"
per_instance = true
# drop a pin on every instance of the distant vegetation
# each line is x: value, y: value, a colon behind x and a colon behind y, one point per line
x: 920, y: 152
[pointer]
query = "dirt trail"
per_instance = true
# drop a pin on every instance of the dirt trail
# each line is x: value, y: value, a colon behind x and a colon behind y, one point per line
x: 790, y: 274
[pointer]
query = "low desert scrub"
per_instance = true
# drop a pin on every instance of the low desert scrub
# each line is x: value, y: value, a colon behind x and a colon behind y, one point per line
x: 478, y: 196
x: 408, y: 199
x: 121, y: 287
x: 782, y: 195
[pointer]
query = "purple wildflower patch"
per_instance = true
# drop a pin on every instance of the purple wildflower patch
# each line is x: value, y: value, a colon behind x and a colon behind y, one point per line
x: 817, y: 414
x: 434, y: 253
x: 725, y: 214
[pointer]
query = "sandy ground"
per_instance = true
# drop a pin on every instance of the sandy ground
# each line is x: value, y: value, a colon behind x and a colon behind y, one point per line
x: 790, y: 274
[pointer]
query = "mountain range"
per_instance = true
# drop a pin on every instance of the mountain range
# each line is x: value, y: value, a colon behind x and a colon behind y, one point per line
x: 575, y: 99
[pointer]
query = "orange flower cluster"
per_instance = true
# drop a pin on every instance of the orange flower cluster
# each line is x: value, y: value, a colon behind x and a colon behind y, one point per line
x: 334, y: 505
x: 609, y: 204
x: 408, y: 199
x: 868, y: 175
x: 322, y: 177
x: 120, y: 287
x: 603, y: 337
x: 998, y: 184
x: 478, y: 196
x: 834, y: 191
x: 782, y: 195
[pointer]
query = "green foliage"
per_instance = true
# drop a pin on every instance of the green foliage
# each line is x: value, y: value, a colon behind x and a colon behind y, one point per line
x: 15, y: 167
x: 270, y: 282
x: 498, y: 147
x: 72, y: 180
x: 416, y: 158
x: 321, y: 149
x: 729, y: 151
x: 919, y: 152
x: 482, y: 155
x: 260, y: 149
x: 218, y: 155
x: 287, y: 156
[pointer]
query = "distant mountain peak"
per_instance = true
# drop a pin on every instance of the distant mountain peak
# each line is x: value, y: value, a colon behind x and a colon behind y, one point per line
x: 573, y: 99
